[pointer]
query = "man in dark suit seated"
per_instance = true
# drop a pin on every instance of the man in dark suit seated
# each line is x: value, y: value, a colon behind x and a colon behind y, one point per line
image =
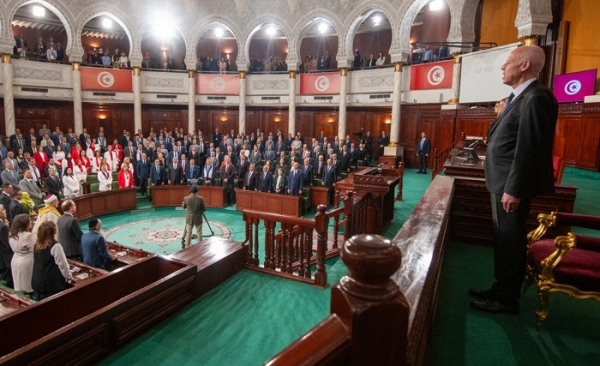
x: 251, y: 179
x: 143, y: 172
x: 174, y: 173
x: 280, y: 182
x: 329, y: 178
x: 307, y: 173
x: 93, y: 246
x: 295, y: 180
x: 69, y: 232
x: 157, y: 174
x: 518, y: 167
x: 265, y: 180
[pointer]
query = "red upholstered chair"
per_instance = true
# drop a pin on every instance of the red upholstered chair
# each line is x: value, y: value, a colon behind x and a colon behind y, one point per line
x: 569, y: 264
x: 558, y: 165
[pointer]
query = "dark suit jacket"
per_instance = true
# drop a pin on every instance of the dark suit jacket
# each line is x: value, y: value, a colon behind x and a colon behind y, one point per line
x: 383, y: 140
x: 5, y: 201
x: 251, y: 181
x: 307, y: 173
x: 157, y: 178
x: 426, y: 146
x: 295, y: 182
x: 192, y: 171
x: 228, y: 174
x: 265, y: 182
x: 143, y: 170
x: 69, y: 235
x: 329, y: 177
x: 15, y: 208
x: 174, y: 175
x: 283, y: 189
x: 519, y: 152
x: 319, y: 172
x: 241, y: 170
x: 6, y: 252
x: 54, y: 185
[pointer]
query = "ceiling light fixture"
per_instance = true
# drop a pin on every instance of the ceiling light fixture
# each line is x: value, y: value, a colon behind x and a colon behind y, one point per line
x: 322, y: 28
x: 376, y: 20
x: 436, y: 5
x: 270, y: 31
x: 39, y: 11
x: 219, y: 32
x: 107, y: 23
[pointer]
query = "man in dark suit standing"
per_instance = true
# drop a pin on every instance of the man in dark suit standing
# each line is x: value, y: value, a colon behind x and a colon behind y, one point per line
x: 69, y: 232
x: 265, y: 180
x: 143, y: 172
x: 307, y: 172
x: 383, y: 142
x: 251, y: 179
x: 295, y: 180
x: 157, y: 174
x: 192, y: 171
x: 194, y: 204
x: 329, y: 178
x: 228, y: 175
x: 518, y: 167
x: 174, y: 173
x: 217, y: 137
x: 423, y: 147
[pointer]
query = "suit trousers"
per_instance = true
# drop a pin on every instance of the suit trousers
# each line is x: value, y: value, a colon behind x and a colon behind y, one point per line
x: 510, y: 248
x: 188, y: 233
x: 422, y: 162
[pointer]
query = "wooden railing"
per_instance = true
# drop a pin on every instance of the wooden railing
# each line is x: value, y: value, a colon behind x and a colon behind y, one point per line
x: 291, y: 245
x: 368, y: 324
x: 440, y: 157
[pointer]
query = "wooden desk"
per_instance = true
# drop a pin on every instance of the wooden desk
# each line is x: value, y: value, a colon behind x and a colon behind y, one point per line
x: 471, y: 215
x: 83, y: 324
x: 163, y: 196
x: 268, y: 202
x: 104, y: 203
x: 318, y: 196
x: 83, y: 274
x: 11, y: 302
x: 125, y: 255
x: 381, y: 187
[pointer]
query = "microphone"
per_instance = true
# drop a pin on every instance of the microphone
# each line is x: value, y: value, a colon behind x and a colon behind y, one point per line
x: 382, y: 164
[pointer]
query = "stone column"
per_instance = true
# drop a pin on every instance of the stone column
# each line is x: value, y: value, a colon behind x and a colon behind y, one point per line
x: 343, y: 95
x: 191, y: 100
x: 242, y: 112
x: 533, y: 17
x: 455, y: 79
x: 292, y: 108
x: 9, y: 102
x: 77, y: 108
x: 396, y: 105
x: 137, y: 99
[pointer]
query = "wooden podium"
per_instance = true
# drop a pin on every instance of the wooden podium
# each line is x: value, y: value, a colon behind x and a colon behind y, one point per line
x: 381, y: 185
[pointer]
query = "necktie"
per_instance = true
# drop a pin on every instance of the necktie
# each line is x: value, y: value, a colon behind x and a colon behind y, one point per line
x: 157, y: 169
x: 509, y: 100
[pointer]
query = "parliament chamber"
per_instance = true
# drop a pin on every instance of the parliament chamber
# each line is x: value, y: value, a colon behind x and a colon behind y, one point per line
x: 391, y: 244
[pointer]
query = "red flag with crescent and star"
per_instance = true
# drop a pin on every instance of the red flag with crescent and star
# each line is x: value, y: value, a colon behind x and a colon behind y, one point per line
x: 101, y: 79
x: 221, y: 84
x: 435, y: 75
x: 324, y: 83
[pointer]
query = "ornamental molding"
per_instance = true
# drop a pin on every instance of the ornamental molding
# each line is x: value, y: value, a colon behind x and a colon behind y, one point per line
x: 163, y: 83
x: 270, y: 85
x: 377, y: 81
x: 38, y: 74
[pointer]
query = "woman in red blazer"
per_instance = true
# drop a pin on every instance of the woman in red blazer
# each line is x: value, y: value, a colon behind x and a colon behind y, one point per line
x: 125, y: 177
x: 41, y: 160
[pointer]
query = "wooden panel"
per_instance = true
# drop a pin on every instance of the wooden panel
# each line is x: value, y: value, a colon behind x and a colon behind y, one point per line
x: 271, y: 202
x: 163, y: 196
x: 319, y: 196
x: 589, y: 149
x: 103, y: 203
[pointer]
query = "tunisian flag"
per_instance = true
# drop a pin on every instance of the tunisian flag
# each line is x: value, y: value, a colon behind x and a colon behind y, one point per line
x: 435, y: 75
x: 94, y: 78
x: 217, y: 84
x: 325, y: 83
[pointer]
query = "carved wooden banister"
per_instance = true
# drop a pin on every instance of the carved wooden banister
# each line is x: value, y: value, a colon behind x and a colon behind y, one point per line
x: 353, y: 220
x: 288, y: 252
x: 370, y: 306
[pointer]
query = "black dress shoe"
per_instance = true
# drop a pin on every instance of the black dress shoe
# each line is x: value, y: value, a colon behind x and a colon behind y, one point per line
x: 425, y: 172
x: 485, y: 294
x: 420, y: 171
x: 493, y: 306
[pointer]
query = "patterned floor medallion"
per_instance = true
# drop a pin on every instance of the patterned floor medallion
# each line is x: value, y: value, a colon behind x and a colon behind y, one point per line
x: 161, y: 235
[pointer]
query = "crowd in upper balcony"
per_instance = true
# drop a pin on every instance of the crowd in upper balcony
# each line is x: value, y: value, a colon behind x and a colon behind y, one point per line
x: 41, y: 51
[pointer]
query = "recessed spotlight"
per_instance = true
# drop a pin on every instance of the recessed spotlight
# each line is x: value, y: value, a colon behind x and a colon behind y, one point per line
x: 436, y: 5
x: 219, y: 32
x: 377, y: 19
x: 271, y: 31
x: 107, y: 23
x: 39, y: 11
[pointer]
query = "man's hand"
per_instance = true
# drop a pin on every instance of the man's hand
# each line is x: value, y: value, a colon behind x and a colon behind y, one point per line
x: 510, y: 203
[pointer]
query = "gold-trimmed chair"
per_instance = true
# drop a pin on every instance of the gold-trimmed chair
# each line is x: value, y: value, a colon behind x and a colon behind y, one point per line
x: 567, y: 264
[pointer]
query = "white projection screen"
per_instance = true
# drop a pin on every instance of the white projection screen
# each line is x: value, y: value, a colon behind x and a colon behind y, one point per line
x: 481, y: 76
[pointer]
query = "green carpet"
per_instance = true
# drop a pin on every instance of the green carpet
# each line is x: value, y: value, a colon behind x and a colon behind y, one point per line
x: 253, y: 316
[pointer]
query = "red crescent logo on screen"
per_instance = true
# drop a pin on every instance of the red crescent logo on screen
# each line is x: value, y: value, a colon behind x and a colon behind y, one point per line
x: 322, y: 83
x: 106, y: 79
x: 436, y: 75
